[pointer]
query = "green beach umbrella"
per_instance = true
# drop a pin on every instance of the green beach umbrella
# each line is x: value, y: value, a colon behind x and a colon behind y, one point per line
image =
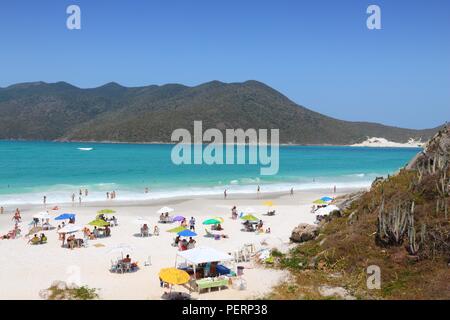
x: 249, y: 217
x: 98, y: 223
x: 177, y: 229
x: 212, y: 221
x: 320, y: 201
x: 105, y: 211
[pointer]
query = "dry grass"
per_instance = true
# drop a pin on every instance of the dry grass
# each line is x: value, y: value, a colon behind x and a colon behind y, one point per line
x: 343, y: 251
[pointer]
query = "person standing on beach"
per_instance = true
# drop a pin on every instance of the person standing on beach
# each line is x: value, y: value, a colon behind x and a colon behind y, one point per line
x: 79, y: 200
x: 86, y: 192
x: 2, y: 210
x: 146, y: 190
x: 45, y: 200
x: 225, y: 193
x: 334, y: 189
x: 73, y: 198
x: 107, y: 195
x: 258, y: 190
x: 292, y: 191
x: 192, y: 224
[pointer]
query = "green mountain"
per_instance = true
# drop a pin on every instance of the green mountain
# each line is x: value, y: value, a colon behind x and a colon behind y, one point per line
x: 60, y: 111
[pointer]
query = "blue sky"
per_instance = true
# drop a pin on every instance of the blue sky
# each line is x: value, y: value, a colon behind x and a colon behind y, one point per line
x: 319, y: 53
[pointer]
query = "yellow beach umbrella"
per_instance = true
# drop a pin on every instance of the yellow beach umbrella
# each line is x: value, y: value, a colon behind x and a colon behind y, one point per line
x: 268, y: 203
x: 174, y: 276
x: 106, y: 211
x: 98, y: 223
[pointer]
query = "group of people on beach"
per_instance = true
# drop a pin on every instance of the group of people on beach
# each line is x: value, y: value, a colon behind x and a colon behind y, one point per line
x: 184, y: 244
x: 38, y: 240
x: 111, y: 195
x: 80, y: 195
x: 145, y: 230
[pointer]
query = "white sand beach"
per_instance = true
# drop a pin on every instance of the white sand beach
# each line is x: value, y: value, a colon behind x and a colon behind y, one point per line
x: 27, y: 269
x: 384, y: 143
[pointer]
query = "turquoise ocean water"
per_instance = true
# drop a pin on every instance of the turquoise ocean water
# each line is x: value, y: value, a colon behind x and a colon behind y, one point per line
x: 29, y: 170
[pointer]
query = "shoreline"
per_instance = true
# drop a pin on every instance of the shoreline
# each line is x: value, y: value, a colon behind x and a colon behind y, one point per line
x: 181, y: 198
x: 355, y: 145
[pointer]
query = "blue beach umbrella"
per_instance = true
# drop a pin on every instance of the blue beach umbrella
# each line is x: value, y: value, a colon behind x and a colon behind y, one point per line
x: 65, y: 216
x: 187, y: 233
x: 326, y: 199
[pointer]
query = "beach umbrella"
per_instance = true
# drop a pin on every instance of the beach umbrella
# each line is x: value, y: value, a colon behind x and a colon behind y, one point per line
x: 268, y: 203
x: 178, y: 218
x: 177, y: 229
x: 70, y: 228
x: 164, y: 210
x: 320, y: 201
x: 327, y: 210
x: 327, y: 199
x: 187, y: 233
x: 98, y: 223
x: 42, y: 215
x: 121, y: 248
x: 249, y: 217
x: 174, y: 276
x: 141, y: 221
x: 212, y: 221
x: 65, y: 216
x: 106, y: 211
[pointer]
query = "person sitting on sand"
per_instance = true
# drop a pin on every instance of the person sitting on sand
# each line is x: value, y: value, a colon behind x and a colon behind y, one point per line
x: 71, y: 242
x: 260, y: 224
x: 268, y: 230
x: 107, y: 231
x: 34, y: 240
x: 156, y: 231
x: 43, y: 238
x: 127, y: 259
x: 183, y: 245
x: 177, y: 240
x: 161, y: 217
x: 218, y: 227
x: 191, y: 243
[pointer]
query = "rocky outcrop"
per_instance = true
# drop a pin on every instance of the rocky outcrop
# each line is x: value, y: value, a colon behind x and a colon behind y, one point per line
x: 304, y: 232
x: 344, y: 202
x: 435, y: 154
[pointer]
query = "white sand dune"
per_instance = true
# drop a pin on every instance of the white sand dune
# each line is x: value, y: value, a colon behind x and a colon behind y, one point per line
x: 382, y: 142
x: 27, y: 269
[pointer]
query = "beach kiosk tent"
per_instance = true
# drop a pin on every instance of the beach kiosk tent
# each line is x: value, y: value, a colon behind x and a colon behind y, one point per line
x: 200, y: 255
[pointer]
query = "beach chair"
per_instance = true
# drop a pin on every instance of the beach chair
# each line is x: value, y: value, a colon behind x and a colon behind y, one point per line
x: 85, y: 243
x: 209, y: 234
x: 127, y: 267
x: 115, y: 267
x: 148, y: 262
